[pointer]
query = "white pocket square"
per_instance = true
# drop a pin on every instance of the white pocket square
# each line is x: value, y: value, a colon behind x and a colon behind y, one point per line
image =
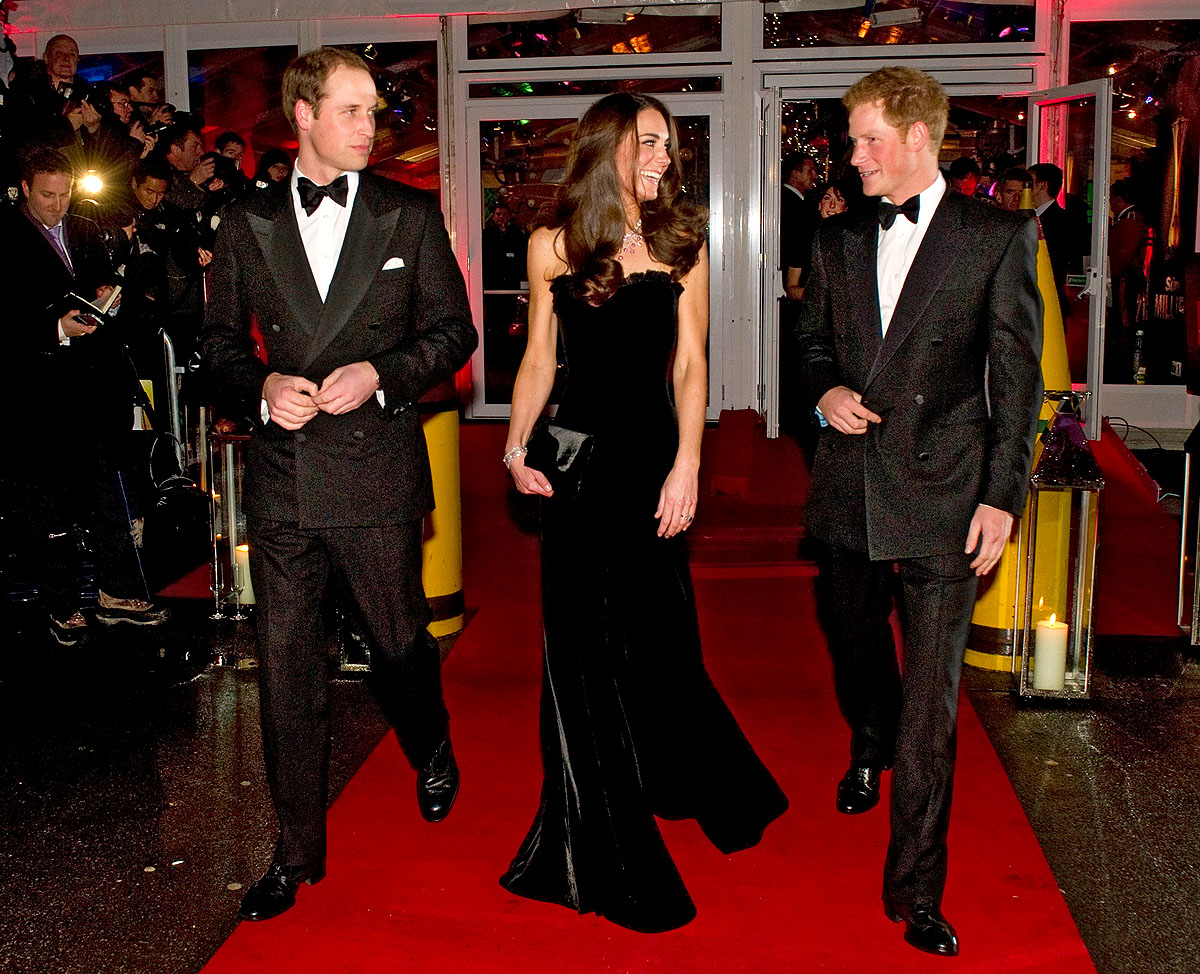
x: 393, y: 264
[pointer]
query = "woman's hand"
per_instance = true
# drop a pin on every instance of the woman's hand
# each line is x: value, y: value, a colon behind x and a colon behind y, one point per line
x: 677, y: 500
x: 528, y: 480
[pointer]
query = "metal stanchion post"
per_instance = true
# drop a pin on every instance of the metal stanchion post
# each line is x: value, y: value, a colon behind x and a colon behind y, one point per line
x: 172, y: 390
x: 231, y: 533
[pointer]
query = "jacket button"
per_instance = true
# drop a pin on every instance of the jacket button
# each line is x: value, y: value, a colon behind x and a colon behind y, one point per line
x: 919, y: 400
x: 374, y: 326
x: 357, y: 434
x: 922, y: 455
x: 300, y: 437
x: 275, y: 328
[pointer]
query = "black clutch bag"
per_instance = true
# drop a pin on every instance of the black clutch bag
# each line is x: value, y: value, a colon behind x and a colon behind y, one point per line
x: 561, y: 454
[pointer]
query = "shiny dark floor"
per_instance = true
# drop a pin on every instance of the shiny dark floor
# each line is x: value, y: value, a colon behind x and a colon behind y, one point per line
x: 134, y: 810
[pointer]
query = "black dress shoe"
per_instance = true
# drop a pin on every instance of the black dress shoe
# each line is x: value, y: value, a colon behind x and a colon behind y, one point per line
x: 858, y: 791
x: 437, y: 785
x: 925, y: 928
x: 275, y: 893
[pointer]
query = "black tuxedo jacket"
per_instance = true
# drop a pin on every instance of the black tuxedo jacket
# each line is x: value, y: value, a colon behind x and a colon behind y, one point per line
x: 957, y: 380
x: 397, y: 300
x: 67, y: 393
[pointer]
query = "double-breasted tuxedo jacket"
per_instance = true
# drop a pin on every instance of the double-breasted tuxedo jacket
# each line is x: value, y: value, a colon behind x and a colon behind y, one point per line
x: 956, y: 380
x: 397, y: 300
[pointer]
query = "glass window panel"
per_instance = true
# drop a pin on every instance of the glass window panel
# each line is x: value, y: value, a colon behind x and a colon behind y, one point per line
x: 237, y: 89
x: 120, y: 68
x: 843, y: 23
x: 1154, y: 67
x: 543, y: 89
x: 406, y: 133
x: 522, y: 164
x: 662, y: 29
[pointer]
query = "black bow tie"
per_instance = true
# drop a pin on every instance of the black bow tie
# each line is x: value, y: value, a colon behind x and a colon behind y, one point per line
x: 311, y: 194
x: 887, y: 211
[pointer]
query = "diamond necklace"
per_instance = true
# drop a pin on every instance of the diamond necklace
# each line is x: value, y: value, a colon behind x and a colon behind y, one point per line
x: 631, y: 241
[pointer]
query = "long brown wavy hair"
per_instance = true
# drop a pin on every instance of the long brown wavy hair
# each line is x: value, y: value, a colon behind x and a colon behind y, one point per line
x: 591, y: 212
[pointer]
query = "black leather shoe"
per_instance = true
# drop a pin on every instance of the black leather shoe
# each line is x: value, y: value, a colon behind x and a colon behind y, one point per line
x: 926, y: 929
x: 275, y: 893
x: 437, y: 785
x: 858, y: 791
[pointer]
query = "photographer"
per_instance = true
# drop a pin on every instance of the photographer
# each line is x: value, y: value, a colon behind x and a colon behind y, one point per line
x: 182, y: 146
x: 49, y: 104
x: 77, y: 392
x: 145, y: 94
x: 232, y: 146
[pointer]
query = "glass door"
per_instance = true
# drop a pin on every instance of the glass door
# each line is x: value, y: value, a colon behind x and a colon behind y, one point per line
x: 1071, y: 127
x: 516, y: 161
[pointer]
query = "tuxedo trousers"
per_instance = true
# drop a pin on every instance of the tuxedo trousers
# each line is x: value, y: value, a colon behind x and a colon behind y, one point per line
x: 380, y: 570
x: 906, y: 717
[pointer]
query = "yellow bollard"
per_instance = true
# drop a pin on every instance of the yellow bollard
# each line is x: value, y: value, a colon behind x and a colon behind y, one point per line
x: 441, y: 556
x: 991, y: 642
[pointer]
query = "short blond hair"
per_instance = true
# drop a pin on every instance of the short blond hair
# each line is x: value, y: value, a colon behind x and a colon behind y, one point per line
x: 305, y: 77
x: 908, y: 96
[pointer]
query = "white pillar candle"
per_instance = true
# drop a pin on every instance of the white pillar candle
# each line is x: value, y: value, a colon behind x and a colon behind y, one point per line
x: 1050, y: 655
x: 246, y: 595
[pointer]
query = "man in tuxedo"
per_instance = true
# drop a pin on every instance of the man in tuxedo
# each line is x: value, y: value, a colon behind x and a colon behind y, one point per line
x: 75, y: 389
x: 919, y: 338
x: 362, y: 309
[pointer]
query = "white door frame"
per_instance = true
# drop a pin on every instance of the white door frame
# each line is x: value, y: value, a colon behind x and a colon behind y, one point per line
x: 1000, y: 76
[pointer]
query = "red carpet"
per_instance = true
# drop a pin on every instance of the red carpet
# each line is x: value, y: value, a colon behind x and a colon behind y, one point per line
x: 405, y: 895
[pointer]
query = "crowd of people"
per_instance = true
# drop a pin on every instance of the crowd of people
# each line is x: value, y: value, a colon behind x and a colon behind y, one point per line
x: 104, y: 186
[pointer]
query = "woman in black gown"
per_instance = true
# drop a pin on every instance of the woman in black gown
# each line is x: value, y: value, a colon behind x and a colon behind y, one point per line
x: 631, y: 725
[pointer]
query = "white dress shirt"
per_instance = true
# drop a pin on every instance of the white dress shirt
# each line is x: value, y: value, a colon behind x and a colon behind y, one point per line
x: 898, y: 245
x: 324, y: 232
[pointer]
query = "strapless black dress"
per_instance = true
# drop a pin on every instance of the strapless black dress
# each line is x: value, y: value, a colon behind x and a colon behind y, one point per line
x: 631, y: 725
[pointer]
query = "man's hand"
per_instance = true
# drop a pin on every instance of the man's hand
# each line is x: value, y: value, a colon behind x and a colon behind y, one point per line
x: 347, y: 388
x: 289, y: 399
x: 138, y: 131
x: 203, y: 171
x: 72, y: 327
x: 102, y: 293
x: 990, y: 530
x: 843, y: 410
x: 91, y: 117
x: 204, y: 256
x: 162, y: 114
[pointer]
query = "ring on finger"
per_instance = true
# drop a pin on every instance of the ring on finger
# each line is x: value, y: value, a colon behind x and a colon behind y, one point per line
x: 685, y: 518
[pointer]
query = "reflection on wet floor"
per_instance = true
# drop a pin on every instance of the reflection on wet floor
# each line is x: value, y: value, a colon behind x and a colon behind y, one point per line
x: 135, y: 808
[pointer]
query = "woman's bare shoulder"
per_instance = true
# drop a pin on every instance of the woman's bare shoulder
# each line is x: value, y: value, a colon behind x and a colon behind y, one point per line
x: 546, y: 252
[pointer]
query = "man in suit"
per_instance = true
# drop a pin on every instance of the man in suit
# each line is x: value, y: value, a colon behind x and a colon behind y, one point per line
x: 919, y: 339
x: 75, y: 389
x: 1065, y: 241
x: 362, y: 309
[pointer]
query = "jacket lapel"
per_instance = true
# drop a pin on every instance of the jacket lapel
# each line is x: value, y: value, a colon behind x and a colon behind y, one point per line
x: 367, y: 237
x: 937, y: 254
x: 861, y: 245
x: 278, y: 236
